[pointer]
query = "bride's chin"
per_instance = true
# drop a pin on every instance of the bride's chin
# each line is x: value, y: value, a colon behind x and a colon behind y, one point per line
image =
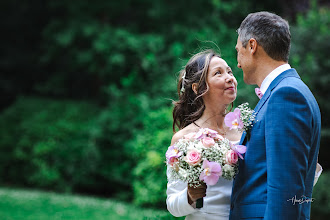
x: 224, y: 100
x: 226, y: 103
x: 231, y: 99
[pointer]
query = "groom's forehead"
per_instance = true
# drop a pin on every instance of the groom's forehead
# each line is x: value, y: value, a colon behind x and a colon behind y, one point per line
x: 238, y: 43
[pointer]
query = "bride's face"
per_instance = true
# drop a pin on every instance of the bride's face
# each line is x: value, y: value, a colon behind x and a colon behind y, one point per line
x: 221, y: 81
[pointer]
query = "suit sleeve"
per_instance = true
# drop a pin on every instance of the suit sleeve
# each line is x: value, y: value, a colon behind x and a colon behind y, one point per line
x: 288, y: 124
x: 177, y: 198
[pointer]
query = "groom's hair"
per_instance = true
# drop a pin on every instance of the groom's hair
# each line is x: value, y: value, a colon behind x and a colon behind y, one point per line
x: 270, y: 31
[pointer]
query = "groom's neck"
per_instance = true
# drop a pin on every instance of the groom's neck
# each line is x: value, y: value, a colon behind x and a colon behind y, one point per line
x: 265, y: 65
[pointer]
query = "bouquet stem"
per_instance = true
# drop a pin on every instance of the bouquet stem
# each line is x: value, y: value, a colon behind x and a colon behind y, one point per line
x: 199, y: 203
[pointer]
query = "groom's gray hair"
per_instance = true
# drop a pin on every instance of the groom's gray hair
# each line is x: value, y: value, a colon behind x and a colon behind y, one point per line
x: 270, y: 31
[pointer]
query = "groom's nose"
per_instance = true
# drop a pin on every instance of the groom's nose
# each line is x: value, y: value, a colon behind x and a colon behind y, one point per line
x: 239, y: 65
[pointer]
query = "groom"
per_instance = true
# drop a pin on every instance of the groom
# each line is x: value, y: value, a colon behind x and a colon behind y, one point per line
x: 275, y: 179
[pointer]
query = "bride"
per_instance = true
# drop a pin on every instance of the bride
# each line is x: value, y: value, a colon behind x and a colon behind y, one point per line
x: 207, y: 87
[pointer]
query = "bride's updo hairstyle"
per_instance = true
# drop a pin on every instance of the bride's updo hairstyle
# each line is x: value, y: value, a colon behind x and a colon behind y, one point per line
x: 190, y: 105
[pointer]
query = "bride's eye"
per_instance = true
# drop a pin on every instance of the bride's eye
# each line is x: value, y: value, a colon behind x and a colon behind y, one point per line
x: 217, y: 72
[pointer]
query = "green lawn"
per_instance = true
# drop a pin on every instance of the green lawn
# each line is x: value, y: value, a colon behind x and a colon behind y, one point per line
x: 23, y: 204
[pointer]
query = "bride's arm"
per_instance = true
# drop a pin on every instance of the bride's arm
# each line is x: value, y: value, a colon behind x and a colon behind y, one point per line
x: 177, y: 198
x: 177, y: 191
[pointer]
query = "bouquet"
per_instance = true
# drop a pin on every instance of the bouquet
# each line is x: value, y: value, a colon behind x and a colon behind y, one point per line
x: 203, y: 156
x: 241, y: 119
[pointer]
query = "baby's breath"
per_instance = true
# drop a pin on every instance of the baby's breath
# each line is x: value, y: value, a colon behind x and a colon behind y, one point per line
x: 247, y: 116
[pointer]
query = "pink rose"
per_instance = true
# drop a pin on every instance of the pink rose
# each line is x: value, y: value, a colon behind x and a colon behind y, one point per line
x: 231, y: 157
x: 208, y: 142
x: 193, y: 157
x: 190, y: 136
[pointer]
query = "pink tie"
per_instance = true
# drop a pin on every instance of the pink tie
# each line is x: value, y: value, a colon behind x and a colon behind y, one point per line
x: 258, y: 92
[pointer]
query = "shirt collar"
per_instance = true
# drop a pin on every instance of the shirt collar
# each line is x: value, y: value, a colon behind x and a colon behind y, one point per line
x: 272, y: 75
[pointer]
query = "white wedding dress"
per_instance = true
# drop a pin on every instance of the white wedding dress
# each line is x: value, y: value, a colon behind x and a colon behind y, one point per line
x: 216, y: 203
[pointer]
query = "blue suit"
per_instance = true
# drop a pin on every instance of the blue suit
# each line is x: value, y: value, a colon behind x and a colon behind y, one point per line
x: 278, y: 169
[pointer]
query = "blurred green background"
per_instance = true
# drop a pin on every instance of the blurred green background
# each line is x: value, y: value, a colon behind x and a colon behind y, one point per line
x: 87, y: 89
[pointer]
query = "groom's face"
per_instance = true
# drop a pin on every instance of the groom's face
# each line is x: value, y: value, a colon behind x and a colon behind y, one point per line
x: 244, y: 61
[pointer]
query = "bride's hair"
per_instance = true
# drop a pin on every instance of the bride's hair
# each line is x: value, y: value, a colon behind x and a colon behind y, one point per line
x: 190, y: 105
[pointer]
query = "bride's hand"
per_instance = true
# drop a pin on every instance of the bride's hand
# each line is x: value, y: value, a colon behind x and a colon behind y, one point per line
x: 196, y: 193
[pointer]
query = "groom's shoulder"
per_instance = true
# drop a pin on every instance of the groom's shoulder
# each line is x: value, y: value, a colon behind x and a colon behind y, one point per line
x: 290, y: 80
x: 293, y: 85
x: 289, y: 88
x: 292, y: 89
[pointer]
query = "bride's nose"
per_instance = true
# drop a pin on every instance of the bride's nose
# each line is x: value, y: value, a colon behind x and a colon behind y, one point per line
x: 229, y: 79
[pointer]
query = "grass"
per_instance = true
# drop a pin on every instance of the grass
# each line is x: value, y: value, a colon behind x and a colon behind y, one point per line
x: 17, y: 204
x: 24, y: 204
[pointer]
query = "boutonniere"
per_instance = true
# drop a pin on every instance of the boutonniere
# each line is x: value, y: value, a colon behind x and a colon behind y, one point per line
x: 242, y: 119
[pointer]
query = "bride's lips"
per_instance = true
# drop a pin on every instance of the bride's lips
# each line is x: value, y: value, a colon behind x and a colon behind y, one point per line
x: 232, y: 88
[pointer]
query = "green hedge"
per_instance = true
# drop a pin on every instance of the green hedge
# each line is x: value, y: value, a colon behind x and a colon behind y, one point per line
x: 45, y: 143
x: 321, y: 196
x: 149, y: 147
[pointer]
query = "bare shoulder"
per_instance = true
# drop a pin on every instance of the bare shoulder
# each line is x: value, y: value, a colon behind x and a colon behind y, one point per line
x: 181, y: 133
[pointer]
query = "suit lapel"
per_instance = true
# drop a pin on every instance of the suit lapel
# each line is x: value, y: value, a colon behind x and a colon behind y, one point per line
x: 262, y: 101
x: 242, y: 141
x: 276, y: 81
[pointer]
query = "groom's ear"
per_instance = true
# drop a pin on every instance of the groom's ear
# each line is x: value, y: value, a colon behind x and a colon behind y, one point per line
x: 253, y: 44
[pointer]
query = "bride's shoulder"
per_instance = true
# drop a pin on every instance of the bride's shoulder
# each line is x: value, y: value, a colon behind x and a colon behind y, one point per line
x: 181, y: 133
